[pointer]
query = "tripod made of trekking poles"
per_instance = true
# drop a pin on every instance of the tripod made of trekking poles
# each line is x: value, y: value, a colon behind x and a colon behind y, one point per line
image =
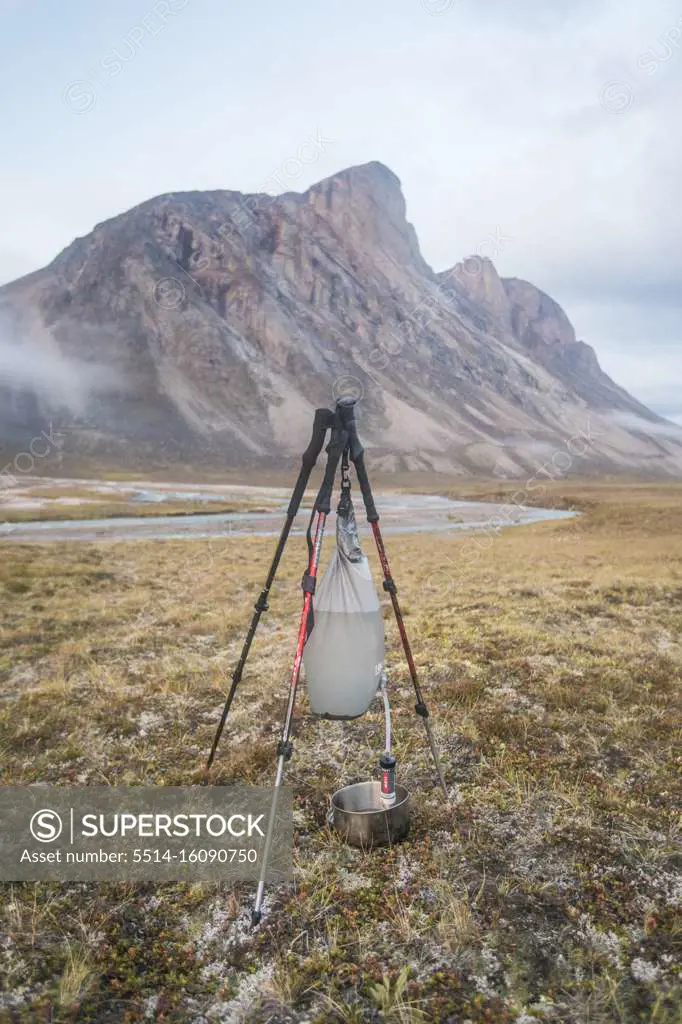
x: 344, y: 445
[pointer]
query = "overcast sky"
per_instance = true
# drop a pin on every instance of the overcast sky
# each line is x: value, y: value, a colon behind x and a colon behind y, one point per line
x: 553, y: 124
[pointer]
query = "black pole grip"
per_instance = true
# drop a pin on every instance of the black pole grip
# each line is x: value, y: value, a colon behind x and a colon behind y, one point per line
x: 345, y: 412
x: 334, y: 453
x: 365, y: 487
x: 324, y: 420
x: 356, y: 448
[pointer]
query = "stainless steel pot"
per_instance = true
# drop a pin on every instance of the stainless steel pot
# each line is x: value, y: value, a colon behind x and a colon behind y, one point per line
x: 359, y: 816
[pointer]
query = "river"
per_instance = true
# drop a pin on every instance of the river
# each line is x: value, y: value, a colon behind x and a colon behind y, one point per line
x: 400, y: 513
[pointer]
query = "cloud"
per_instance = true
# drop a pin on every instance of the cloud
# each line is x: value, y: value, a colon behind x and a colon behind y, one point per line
x: 587, y: 192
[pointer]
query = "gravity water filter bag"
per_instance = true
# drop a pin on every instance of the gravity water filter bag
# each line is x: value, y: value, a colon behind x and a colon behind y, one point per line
x: 344, y: 654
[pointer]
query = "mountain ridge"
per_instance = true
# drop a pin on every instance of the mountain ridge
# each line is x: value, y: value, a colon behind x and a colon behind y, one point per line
x: 211, y: 324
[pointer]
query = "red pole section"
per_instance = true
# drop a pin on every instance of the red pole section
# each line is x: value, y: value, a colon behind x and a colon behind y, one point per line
x: 386, y: 569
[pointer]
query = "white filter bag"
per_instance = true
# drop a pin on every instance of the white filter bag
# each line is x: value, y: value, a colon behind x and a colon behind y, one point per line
x: 344, y: 654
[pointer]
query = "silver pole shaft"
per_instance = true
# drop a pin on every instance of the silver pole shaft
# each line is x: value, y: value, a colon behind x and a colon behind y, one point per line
x: 436, y: 758
x: 387, y: 710
x: 260, y: 892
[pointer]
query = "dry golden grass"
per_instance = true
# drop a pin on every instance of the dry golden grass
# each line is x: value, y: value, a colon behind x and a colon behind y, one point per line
x: 551, y: 657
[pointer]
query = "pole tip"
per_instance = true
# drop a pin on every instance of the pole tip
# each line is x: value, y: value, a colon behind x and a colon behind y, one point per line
x: 255, y: 918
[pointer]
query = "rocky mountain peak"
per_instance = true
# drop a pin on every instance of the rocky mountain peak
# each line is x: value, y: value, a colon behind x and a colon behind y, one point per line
x: 366, y: 203
x: 542, y: 327
x: 536, y: 317
x: 477, y: 278
x: 372, y: 182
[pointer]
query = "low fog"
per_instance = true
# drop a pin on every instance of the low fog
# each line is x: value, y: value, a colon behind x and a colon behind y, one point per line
x: 629, y: 421
x: 35, y: 363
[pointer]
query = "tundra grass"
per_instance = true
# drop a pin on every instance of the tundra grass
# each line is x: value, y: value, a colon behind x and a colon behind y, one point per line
x: 125, y: 509
x: 551, y: 890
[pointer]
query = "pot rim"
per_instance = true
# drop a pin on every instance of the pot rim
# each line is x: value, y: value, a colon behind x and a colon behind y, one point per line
x: 399, y: 802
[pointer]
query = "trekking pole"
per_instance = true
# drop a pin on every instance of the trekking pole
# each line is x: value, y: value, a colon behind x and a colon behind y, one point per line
x: 324, y: 419
x: 420, y: 707
x: 358, y: 458
x: 285, y: 747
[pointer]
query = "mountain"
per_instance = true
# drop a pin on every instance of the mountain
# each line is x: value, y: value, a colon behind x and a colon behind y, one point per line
x: 209, y: 326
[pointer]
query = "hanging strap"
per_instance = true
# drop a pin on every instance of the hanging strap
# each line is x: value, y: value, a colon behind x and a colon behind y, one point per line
x: 345, y: 505
x: 309, y: 540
